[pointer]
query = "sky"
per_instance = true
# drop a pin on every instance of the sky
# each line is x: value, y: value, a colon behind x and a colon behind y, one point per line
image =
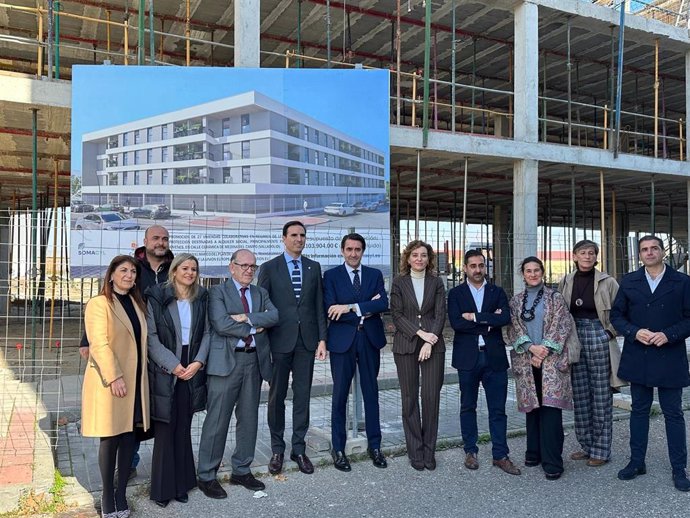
x: 353, y: 101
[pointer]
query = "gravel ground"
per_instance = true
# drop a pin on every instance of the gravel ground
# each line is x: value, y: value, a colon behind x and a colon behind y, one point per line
x: 451, y: 490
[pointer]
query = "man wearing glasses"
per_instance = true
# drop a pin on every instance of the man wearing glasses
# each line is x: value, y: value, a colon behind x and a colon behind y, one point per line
x: 294, y: 284
x: 239, y: 359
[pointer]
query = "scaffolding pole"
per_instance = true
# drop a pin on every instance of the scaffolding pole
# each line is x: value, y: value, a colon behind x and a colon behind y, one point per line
x: 417, y: 194
x: 572, y: 203
x: 141, y: 35
x: 614, y: 251
x: 152, y: 36
x: 464, y: 208
x: 187, y: 33
x: 397, y: 66
x: 50, y: 38
x: 328, y: 33
x: 619, y: 81
x: 653, y: 206
x: 427, y: 67
x: 34, y: 230
x: 57, y: 8
x: 656, y: 98
x: 452, y: 68
x: 569, y: 67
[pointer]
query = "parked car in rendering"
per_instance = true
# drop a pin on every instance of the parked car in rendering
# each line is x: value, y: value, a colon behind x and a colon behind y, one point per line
x: 110, y: 207
x: 106, y: 221
x: 369, y: 206
x: 80, y: 206
x: 151, y: 212
x: 339, y: 209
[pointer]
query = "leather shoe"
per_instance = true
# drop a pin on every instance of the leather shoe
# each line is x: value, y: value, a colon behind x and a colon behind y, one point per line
x: 248, y: 481
x: 530, y: 463
x: 418, y: 465
x: 595, y: 463
x: 340, y: 461
x: 212, y: 489
x: 377, y: 458
x: 507, y: 465
x: 471, y: 461
x: 553, y: 476
x: 303, y: 463
x: 579, y: 455
x: 630, y: 471
x: 680, y: 481
x: 430, y: 464
x: 162, y: 503
x: 183, y: 498
x: 275, y: 465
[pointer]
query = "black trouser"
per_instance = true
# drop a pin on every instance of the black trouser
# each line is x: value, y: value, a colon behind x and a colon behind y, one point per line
x: 172, y: 464
x: 545, y: 433
x: 301, y: 363
x: 118, y: 448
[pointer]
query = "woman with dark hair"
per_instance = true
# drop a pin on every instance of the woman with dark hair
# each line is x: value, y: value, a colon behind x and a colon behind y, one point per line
x: 418, y: 307
x: 539, y: 327
x: 115, y: 393
x: 590, y: 294
x: 178, y: 348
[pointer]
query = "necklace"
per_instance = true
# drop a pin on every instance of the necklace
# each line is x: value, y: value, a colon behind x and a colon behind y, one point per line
x: 528, y: 314
x: 585, y: 282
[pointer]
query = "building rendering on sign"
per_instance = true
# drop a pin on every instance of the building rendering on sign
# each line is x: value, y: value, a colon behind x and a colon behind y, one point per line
x: 247, y: 155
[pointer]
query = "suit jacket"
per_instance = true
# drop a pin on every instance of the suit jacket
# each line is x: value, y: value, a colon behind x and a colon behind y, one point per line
x: 224, y: 300
x: 303, y: 317
x: 488, y: 324
x: 338, y: 289
x: 666, y: 310
x: 112, y: 354
x: 409, y: 317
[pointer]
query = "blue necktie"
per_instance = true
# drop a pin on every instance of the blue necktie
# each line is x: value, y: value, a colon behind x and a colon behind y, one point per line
x: 356, y: 283
x: 296, y: 279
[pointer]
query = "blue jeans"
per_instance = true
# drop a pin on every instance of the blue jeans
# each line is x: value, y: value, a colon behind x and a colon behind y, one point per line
x: 670, y: 401
x: 495, y: 385
x: 136, y: 458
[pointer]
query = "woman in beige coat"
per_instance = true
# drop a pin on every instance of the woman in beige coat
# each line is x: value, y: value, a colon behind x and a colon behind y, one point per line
x: 115, y: 393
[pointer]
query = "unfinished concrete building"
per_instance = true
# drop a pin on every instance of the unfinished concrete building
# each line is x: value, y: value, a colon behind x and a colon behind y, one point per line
x: 552, y: 114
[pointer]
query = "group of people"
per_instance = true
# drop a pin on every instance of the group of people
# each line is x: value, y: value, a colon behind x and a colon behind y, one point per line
x: 160, y: 347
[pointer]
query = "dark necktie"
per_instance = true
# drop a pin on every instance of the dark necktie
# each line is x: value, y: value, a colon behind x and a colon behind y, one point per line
x: 356, y: 283
x: 245, y: 303
x: 296, y: 279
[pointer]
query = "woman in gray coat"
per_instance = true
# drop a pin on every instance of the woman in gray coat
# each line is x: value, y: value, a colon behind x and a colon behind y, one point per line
x: 178, y: 344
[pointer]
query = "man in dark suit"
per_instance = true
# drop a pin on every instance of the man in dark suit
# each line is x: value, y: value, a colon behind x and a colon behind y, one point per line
x: 652, y: 312
x: 477, y: 311
x: 238, y: 360
x: 354, y: 298
x: 295, y: 287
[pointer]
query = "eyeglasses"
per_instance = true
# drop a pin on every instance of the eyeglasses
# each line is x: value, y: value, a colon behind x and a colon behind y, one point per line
x: 245, y: 267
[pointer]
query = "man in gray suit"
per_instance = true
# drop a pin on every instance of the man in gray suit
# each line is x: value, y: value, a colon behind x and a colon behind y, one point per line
x: 238, y: 359
x: 294, y: 284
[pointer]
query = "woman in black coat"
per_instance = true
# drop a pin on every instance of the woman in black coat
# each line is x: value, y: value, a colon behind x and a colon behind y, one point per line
x: 178, y: 343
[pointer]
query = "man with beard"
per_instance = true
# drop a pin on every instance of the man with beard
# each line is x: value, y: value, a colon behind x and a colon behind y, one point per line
x: 477, y: 311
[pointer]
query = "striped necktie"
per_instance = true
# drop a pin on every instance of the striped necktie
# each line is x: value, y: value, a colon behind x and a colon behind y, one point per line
x: 296, y: 279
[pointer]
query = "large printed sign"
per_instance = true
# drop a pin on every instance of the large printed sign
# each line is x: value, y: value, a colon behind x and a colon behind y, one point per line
x: 224, y: 157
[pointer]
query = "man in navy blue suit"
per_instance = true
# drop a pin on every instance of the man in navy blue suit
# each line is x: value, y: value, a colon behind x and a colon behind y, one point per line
x: 652, y: 313
x: 477, y: 311
x: 354, y: 298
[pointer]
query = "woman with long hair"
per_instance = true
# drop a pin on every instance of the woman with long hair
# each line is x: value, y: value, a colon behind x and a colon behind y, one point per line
x: 540, y: 325
x: 418, y: 307
x: 115, y: 393
x: 178, y: 348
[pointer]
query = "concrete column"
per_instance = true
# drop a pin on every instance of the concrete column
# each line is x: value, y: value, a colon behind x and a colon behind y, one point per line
x: 525, y: 174
x: 247, y: 32
x: 526, y: 61
x: 502, y: 263
x: 687, y: 106
x: 5, y: 247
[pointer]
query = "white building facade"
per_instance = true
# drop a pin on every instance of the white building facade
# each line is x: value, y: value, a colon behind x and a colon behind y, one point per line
x: 246, y: 155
